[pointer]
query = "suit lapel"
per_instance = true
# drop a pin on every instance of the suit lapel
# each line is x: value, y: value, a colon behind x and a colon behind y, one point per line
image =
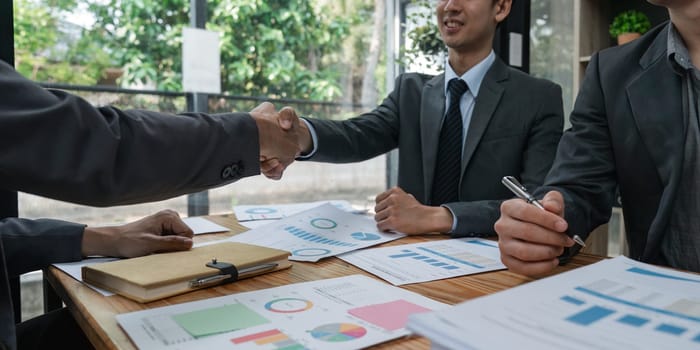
x: 431, y: 115
x: 659, y: 122
x: 489, y: 95
x: 655, y: 99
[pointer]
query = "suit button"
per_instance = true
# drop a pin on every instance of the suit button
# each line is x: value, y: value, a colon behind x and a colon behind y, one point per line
x: 233, y: 170
x: 226, y: 173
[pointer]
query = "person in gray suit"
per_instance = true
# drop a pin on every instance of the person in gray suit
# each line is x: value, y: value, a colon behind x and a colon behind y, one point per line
x: 57, y: 145
x: 634, y: 125
x: 509, y: 123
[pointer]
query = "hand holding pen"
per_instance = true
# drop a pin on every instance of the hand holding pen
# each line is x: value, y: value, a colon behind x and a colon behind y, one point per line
x: 532, y: 240
x: 519, y: 190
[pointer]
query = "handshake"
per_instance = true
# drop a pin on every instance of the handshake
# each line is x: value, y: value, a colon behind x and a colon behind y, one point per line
x: 282, y: 137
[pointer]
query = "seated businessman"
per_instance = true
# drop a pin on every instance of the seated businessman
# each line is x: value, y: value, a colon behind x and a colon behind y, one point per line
x: 634, y: 125
x: 458, y: 133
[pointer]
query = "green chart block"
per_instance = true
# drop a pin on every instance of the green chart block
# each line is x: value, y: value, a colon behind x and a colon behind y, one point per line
x: 227, y: 318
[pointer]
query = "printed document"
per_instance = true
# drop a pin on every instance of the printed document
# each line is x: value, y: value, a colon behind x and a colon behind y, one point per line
x: 428, y: 261
x: 351, y: 312
x: 614, y: 304
x: 277, y: 211
x: 317, y: 233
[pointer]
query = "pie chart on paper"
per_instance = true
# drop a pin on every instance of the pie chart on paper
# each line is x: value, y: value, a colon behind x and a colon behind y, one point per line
x: 338, y: 332
x: 365, y: 236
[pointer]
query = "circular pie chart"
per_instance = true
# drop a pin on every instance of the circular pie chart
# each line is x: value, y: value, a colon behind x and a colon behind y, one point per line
x: 261, y: 211
x: 323, y: 223
x: 365, y: 236
x: 338, y: 332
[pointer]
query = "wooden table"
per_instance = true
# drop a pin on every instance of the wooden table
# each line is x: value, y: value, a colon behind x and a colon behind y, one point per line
x: 96, y: 313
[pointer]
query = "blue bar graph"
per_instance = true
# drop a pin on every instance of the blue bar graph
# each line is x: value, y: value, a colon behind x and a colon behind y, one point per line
x: 396, y: 256
x: 308, y: 236
x: 572, y: 300
x: 406, y: 253
x: 632, y: 320
x: 590, y: 315
x: 670, y: 329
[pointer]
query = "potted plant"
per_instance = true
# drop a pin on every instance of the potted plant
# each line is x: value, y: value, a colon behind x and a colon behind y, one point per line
x: 629, y: 25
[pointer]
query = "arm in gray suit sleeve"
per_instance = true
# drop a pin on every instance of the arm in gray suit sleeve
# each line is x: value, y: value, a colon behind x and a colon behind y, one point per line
x: 584, y: 169
x: 30, y: 245
x: 58, y: 145
x: 478, y: 217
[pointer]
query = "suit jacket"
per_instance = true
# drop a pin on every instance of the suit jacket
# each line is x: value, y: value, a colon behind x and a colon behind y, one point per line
x: 514, y: 130
x: 57, y: 145
x: 627, y: 129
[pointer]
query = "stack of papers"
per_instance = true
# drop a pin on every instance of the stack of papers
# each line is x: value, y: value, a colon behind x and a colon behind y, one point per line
x: 318, y: 233
x: 614, y: 304
x: 351, y: 312
x: 254, y: 216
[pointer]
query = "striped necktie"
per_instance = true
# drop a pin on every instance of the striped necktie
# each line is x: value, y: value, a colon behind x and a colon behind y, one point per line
x: 449, y: 158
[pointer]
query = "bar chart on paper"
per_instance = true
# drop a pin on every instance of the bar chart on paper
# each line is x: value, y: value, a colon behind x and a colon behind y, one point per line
x: 421, y: 262
x: 345, y: 313
x: 614, y: 304
x: 318, y: 233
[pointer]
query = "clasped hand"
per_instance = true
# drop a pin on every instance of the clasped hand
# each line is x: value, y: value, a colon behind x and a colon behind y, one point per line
x: 279, y: 134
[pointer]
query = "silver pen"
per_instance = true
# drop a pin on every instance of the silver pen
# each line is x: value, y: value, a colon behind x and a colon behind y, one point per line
x: 519, y: 190
x: 242, y: 273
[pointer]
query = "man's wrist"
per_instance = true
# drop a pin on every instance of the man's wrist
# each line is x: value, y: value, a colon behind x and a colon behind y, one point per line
x: 443, y: 219
x: 98, y: 241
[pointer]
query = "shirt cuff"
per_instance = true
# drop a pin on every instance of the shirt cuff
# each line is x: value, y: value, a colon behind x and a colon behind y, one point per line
x: 454, y: 219
x: 314, y: 140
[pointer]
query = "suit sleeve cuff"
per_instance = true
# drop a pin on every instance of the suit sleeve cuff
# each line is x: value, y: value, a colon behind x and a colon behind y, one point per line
x: 314, y: 140
x: 454, y: 219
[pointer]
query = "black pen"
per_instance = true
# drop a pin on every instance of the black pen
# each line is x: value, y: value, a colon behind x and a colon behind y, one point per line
x: 519, y: 190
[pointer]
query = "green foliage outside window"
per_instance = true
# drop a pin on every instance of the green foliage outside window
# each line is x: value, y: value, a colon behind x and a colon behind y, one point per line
x: 274, y: 48
x: 45, y: 53
x: 425, y: 37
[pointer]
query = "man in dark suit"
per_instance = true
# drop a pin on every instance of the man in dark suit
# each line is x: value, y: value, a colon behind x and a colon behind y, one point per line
x: 57, y: 145
x: 634, y: 125
x: 508, y: 123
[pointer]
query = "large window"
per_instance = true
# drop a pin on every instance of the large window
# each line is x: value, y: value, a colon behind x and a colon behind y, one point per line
x: 322, y: 57
x: 551, y: 45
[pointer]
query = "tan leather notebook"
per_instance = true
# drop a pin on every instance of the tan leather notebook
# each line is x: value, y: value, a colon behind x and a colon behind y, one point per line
x: 157, y: 276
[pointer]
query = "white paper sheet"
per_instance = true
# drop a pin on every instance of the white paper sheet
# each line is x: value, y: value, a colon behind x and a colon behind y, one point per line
x: 613, y: 304
x: 428, y: 261
x: 318, y: 233
x: 278, y: 211
x: 74, y: 269
x: 350, y: 312
x: 257, y: 223
x: 201, y: 225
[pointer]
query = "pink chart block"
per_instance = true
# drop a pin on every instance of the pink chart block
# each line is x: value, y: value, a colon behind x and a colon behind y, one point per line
x: 390, y: 316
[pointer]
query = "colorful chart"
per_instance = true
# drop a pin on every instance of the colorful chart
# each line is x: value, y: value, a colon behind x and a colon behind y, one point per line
x: 261, y: 210
x: 407, y: 253
x: 288, y: 305
x: 219, y: 319
x: 311, y: 237
x: 338, y: 332
x: 323, y: 223
x: 365, y: 236
x: 273, y: 337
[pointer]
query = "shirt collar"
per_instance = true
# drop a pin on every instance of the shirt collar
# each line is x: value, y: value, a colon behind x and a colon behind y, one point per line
x: 473, y: 77
x: 677, y: 52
